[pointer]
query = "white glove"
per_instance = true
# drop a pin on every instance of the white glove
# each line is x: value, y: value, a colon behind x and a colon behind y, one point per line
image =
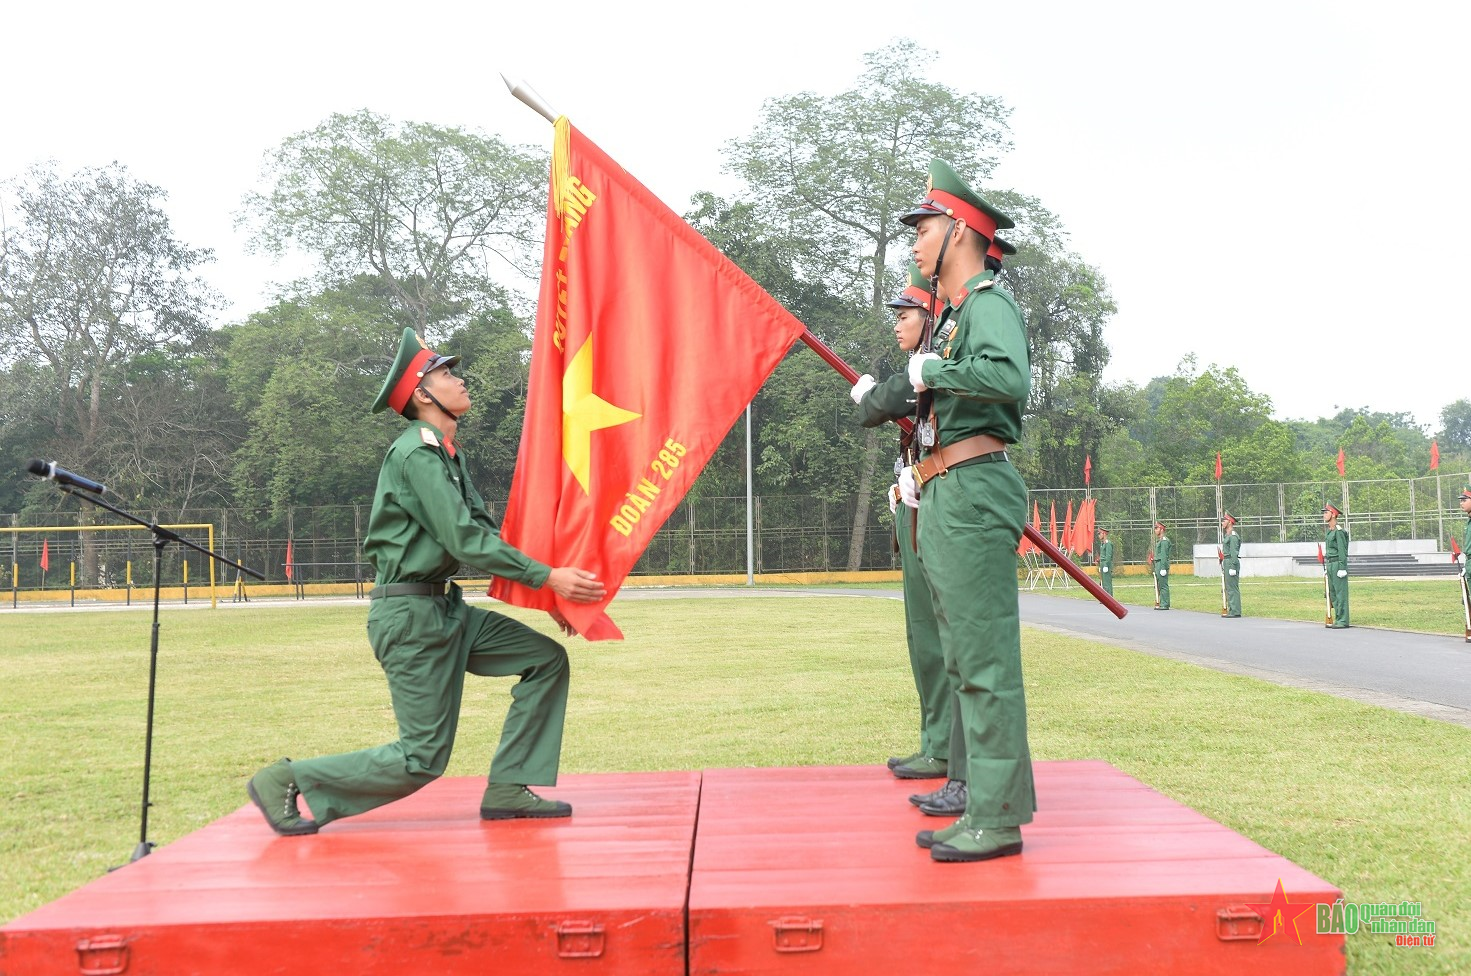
x: 893, y: 494
x: 864, y: 384
x: 1105, y: 569
x: 1230, y: 572
x: 1164, y: 572
x: 1342, y: 573
x: 916, y: 370
x: 908, y: 490
x: 1461, y: 558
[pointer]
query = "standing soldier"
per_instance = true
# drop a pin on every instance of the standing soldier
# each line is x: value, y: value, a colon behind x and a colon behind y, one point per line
x: 1465, y: 544
x: 1335, y: 557
x: 1231, y: 565
x: 1105, y: 562
x: 974, y: 507
x: 879, y: 403
x: 1161, y: 567
x: 427, y: 519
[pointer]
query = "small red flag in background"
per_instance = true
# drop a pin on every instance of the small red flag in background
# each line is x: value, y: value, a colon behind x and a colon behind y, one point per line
x: 1455, y: 550
x: 649, y: 343
x: 1067, y: 527
x: 1052, y: 530
x: 1320, y: 553
x: 1434, y: 455
x: 289, y: 568
x: 1088, y: 470
x: 1220, y: 555
x: 1340, y: 462
x: 45, y: 555
x: 1218, y: 465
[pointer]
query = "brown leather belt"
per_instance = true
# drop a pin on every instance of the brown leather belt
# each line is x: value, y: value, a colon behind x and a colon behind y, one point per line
x: 973, y: 450
x: 440, y: 588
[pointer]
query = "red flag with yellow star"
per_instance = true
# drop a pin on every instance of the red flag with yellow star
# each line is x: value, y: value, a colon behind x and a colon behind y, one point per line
x: 649, y: 343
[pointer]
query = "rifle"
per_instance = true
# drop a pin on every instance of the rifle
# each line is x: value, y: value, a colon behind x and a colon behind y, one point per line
x: 1038, y: 539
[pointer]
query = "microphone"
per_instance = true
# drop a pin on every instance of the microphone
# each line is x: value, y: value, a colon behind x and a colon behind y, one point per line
x: 48, y: 469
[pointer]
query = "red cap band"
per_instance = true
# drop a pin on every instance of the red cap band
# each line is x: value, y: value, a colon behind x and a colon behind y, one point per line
x: 994, y: 251
x: 921, y: 295
x: 974, y: 218
x: 404, y: 388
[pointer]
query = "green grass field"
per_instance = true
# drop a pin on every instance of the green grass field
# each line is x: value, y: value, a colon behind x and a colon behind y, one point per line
x: 1377, y: 802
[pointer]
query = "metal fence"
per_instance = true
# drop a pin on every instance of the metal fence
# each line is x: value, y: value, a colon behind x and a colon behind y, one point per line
x: 791, y: 533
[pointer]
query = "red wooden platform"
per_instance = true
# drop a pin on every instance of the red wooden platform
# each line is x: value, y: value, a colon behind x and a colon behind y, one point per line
x: 810, y: 870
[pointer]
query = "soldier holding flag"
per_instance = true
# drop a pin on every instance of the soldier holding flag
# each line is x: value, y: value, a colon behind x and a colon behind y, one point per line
x: 1465, y: 547
x: 1335, y: 565
x: 1105, y: 561
x: 1231, y: 565
x: 427, y: 519
x: 978, y: 376
x: 1160, y: 562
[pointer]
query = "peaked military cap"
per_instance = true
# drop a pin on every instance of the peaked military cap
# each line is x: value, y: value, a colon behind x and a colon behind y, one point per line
x: 917, y: 295
x: 1228, y: 517
x: 1330, y: 507
x: 413, y: 362
x: 1159, y: 525
x: 1102, y: 530
x: 950, y: 196
x: 1000, y: 249
x: 1466, y: 492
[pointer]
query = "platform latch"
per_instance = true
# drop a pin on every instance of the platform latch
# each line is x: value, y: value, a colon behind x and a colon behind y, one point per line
x: 795, y: 933
x: 1237, y: 924
x: 102, y: 955
x: 579, y: 940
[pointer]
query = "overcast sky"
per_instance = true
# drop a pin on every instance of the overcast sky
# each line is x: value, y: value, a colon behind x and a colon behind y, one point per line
x: 1275, y: 186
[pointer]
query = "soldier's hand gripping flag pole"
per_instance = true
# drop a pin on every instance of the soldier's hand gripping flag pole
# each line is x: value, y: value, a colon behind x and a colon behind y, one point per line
x: 1028, y: 530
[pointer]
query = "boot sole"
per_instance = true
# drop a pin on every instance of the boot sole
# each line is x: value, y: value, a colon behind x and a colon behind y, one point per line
x: 944, y: 852
x: 492, y: 814
x: 933, y: 811
x: 307, y: 826
x: 903, y: 773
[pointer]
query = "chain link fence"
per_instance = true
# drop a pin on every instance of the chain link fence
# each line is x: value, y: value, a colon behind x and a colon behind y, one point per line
x: 707, y: 536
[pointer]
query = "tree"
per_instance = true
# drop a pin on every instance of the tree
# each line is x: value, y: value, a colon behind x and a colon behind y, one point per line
x: 428, y: 211
x: 836, y: 172
x: 1455, y: 426
x: 91, y: 276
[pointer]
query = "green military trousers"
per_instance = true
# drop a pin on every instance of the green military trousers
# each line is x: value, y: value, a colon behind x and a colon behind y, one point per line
x: 1105, y: 579
x: 426, y: 646
x: 1162, y: 575
x: 1338, y: 594
x: 970, y: 522
x: 1231, y: 569
x: 926, y: 659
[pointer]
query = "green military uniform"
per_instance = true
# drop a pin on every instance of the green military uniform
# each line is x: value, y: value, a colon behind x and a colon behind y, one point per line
x: 428, y: 519
x: 971, y: 522
x: 1162, y: 570
x: 1465, y: 560
x: 1105, y: 564
x: 1231, y: 568
x: 1335, y: 555
x: 890, y: 400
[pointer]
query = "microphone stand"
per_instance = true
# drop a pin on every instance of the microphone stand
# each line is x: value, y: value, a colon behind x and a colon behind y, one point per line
x: 161, y: 538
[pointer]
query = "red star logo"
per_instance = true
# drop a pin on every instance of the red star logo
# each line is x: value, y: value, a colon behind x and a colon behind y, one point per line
x: 1277, y: 914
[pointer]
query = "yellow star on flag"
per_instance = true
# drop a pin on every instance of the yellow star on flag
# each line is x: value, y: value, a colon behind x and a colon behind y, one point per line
x: 583, y: 412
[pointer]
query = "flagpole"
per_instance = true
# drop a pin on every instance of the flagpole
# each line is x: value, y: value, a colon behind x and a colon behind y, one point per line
x: 750, y: 521
x: 532, y: 98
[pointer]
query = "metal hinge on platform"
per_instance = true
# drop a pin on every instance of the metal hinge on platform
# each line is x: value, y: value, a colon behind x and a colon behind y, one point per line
x: 102, y: 955
x: 795, y: 933
x: 579, y: 940
x: 1237, y: 924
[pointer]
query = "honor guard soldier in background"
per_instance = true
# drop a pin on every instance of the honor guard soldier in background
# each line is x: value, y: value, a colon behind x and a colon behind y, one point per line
x: 1464, y: 560
x: 1231, y: 564
x: 1335, y: 564
x: 428, y: 519
x: 975, y: 377
x: 1105, y: 562
x: 879, y: 403
x: 1161, y: 566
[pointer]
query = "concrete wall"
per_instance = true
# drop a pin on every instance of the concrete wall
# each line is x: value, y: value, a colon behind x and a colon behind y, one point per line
x: 1276, y: 558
